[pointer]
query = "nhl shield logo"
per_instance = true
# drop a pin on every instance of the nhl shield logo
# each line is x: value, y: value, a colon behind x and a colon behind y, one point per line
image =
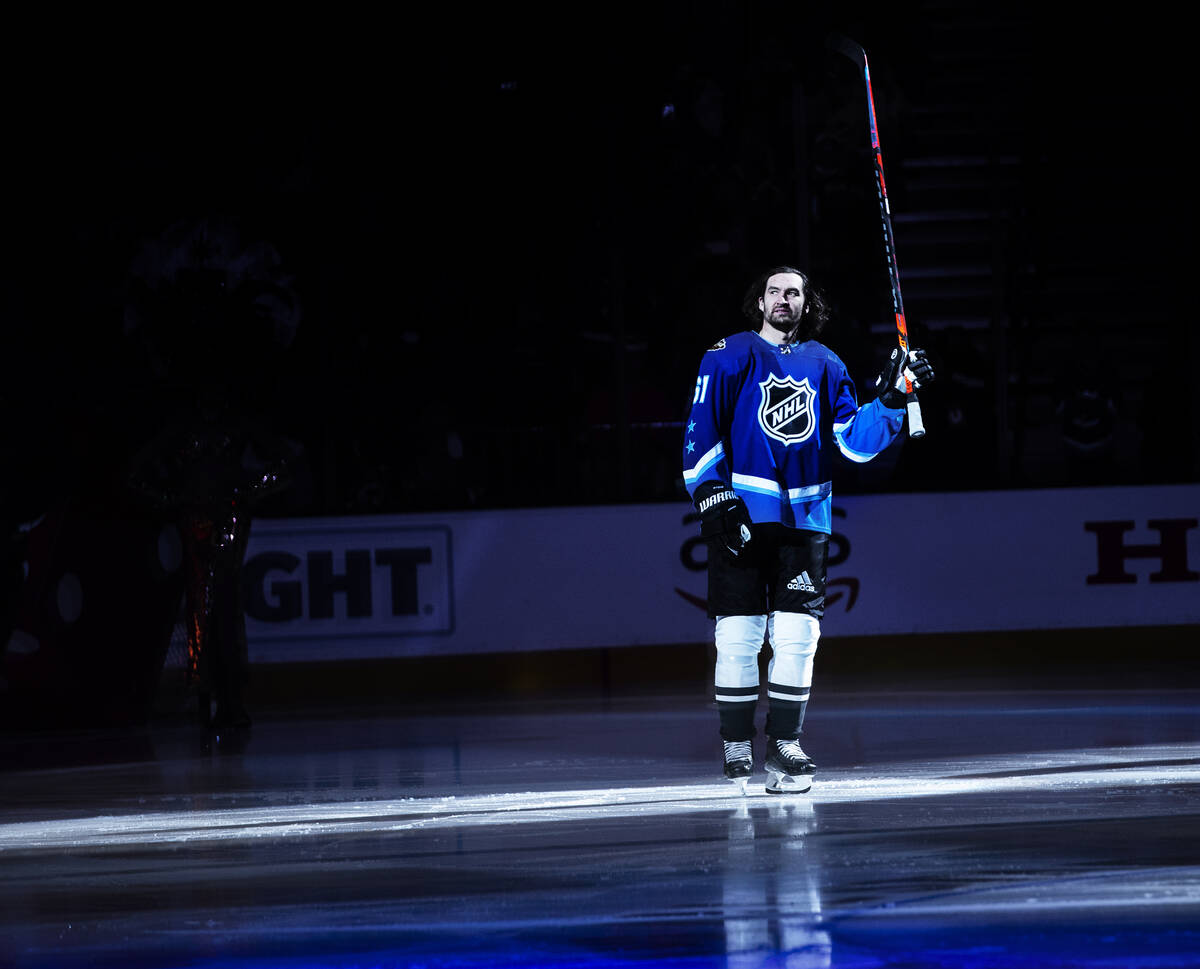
x: 786, y: 411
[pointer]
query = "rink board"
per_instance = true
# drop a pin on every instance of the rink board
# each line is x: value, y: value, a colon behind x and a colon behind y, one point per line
x: 573, y: 578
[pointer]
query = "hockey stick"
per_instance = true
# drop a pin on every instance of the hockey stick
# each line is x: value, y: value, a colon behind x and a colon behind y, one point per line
x: 843, y: 45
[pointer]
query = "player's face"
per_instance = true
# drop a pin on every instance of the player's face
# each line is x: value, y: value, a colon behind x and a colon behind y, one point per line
x: 782, y: 301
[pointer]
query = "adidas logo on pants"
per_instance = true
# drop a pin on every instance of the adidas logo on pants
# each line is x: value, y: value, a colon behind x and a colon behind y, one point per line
x: 802, y: 583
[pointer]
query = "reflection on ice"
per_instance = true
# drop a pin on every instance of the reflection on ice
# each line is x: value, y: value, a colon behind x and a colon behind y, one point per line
x: 771, y: 886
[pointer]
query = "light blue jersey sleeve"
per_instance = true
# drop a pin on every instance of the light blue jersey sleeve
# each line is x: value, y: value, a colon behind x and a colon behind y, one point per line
x: 862, y: 432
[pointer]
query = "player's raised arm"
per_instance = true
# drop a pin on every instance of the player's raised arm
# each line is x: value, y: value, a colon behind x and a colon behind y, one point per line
x: 862, y: 432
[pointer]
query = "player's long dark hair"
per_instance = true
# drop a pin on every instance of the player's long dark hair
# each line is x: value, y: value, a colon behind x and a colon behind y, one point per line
x: 816, y: 308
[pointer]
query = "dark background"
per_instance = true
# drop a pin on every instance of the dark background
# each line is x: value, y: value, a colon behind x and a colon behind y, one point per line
x: 512, y: 237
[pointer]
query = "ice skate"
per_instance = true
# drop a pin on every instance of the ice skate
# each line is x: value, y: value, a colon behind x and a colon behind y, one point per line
x: 789, y: 769
x: 739, y: 762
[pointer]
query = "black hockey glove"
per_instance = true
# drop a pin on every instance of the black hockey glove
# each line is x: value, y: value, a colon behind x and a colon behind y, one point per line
x: 723, y: 516
x: 889, y: 385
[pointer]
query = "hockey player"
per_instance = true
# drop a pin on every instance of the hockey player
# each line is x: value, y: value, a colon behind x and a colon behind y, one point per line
x: 768, y: 409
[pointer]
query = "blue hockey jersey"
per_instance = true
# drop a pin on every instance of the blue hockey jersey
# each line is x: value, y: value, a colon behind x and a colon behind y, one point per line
x: 765, y: 420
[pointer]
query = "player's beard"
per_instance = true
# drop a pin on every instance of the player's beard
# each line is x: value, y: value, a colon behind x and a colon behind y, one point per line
x: 785, y: 323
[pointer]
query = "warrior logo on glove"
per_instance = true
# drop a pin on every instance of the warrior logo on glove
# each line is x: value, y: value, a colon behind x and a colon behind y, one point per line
x: 723, y: 516
x: 786, y: 410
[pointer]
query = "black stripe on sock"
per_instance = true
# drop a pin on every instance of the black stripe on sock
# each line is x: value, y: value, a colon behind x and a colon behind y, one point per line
x: 746, y: 691
x: 791, y: 690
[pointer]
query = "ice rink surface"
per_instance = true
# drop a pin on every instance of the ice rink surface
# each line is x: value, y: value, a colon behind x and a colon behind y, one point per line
x: 951, y: 828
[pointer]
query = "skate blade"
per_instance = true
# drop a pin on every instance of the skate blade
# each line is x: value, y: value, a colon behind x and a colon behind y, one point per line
x: 788, y: 783
x: 742, y: 784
